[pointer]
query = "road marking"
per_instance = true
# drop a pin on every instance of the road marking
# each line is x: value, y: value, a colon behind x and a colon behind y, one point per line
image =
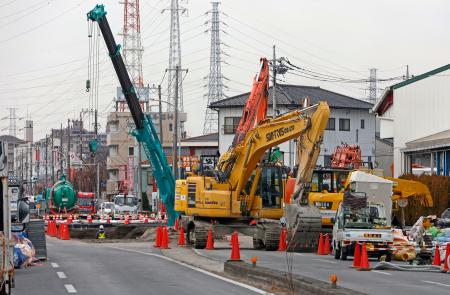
x: 436, y: 283
x: 299, y: 254
x: 251, y: 288
x: 324, y: 260
x: 55, y: 265
x: 382, y: 272
x: 61, y: 275
x: 70, y: 288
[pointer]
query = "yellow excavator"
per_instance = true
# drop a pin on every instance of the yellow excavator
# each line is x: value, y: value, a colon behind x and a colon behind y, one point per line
x: 245, y: 191
x: 328, y: 185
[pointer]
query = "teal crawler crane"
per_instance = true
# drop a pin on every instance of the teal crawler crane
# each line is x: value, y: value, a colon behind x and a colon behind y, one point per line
x: 145, y: 131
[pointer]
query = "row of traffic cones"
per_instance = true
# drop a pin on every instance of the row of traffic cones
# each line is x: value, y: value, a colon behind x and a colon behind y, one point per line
x: 63, y: 231
x: 51, y: 228
x: 162, y: 237
x: 324, y: 245
x: 437, y: 256
x: 360, y: 258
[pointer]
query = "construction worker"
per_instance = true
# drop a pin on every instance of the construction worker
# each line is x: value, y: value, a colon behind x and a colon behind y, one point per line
x: 101, y: 233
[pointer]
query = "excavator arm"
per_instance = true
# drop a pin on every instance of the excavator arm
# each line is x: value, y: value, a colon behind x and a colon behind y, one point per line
x: 305, y: 124
x: 145, y: 131
x: 255, y: 109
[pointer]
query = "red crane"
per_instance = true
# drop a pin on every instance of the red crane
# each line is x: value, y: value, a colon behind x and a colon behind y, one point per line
x: 346, y: 156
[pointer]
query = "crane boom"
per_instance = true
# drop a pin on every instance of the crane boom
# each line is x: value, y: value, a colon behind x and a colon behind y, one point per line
x: 145, y: 131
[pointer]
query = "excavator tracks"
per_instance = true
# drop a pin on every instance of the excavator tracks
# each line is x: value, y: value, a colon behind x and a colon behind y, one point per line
x: 266, y: 236
x: 198, y: 237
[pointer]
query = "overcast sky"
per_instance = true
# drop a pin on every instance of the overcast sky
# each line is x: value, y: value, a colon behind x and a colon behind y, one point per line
x: 44, y: 49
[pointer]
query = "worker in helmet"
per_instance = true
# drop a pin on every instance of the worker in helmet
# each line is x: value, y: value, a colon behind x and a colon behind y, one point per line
x: 101, y: 233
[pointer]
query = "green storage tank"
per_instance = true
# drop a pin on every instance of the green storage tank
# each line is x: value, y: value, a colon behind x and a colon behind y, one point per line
x: 61, y: 196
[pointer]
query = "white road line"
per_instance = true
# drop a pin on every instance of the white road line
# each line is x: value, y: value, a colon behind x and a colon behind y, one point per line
x: 324, y: 260
x: 251, y: 288
x: 436, y: 283
x: 55, y: 265
x: 382, y: 272
x: 299, y: 254
x: 61, y: 275
x: 70, y: 288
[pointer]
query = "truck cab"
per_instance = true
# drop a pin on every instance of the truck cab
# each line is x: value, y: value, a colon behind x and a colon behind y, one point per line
x: 86, y: 203
x: 364, y: 216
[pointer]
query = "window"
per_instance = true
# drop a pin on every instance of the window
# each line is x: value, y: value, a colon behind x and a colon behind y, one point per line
x: 170, y: 127
x: 344, y: 124
x: 113, y: 149
x: 331, y: 125
x: 327, y: 160
x: 231, y: 124
x: 362, y: 124
x: 112, y: 174
x: 113, y: 126
x: 131, y: 151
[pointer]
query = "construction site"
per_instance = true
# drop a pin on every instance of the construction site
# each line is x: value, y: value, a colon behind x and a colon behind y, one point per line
x: 257, y: 159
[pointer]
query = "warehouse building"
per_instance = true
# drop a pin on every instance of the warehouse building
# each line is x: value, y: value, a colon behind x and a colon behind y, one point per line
x: 351, y: 120
x: 414, y: 113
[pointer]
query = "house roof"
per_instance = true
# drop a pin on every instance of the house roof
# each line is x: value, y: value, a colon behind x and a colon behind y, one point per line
x: 11, y: 139
x: 421, y: 77
x: 292, y: 96
x: 433, y: 141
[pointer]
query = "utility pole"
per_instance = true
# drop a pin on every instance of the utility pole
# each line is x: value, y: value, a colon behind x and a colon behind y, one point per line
x: 161, y: 139
x: 95, y: 123
x: 81, y: 137
x: 46, y: 159
x: 53, y: 161
x: 274, y: 78
x: 139, y: 189
x: 21, y: 164
x: 407, y: 72
x: 61, y: 151
x: 175, y: 133
x: 68, y: 149
x: 373, y: 86
x: 31, y: 167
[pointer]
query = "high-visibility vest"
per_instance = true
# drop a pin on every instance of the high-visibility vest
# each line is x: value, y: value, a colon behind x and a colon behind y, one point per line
x: 101, y: 235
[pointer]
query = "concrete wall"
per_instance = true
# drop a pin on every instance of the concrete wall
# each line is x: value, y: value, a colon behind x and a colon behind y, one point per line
x: 420, y: 109
x: 364, y: 137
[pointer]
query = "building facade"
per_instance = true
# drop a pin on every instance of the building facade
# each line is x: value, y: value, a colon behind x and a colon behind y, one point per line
x: 351, y: 120
x: 414, y: 113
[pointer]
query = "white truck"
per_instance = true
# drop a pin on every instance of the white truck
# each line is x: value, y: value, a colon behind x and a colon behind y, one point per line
x: 364, y: 216
x: 124, y: 205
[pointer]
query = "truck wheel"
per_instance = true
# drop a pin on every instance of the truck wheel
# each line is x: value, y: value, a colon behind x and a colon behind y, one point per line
x: 337, y: 252
x: 344, y: 253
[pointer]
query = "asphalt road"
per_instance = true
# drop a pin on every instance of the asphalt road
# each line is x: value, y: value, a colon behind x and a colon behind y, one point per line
x: 102, y: 269
x: 321, y: 267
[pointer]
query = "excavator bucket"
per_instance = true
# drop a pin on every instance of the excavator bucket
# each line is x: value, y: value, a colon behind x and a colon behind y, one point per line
x: 304, y: 224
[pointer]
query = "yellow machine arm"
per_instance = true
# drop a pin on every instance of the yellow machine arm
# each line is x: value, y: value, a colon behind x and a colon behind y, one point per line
x: 308, y: 150
x: 404, y: 189
x: 237, y: 165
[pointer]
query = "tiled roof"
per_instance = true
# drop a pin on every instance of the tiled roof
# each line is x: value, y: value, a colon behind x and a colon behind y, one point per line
x: 292, y: 95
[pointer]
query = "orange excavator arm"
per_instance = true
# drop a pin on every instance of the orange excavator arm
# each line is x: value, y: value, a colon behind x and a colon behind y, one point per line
x: 255, y: 109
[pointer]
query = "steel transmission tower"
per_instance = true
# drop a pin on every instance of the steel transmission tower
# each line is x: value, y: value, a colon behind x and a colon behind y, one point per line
x: 373, y: 86
x: 132, y: 48
x: 215, y: 78
x: 174, y: 57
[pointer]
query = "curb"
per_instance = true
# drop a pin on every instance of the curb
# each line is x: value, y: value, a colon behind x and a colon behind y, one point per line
x: 269, y: 277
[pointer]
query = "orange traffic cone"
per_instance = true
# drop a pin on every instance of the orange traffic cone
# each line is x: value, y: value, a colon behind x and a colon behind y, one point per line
x: 181, y: 241
x: 320, y: 247
x: 357, y: 256
x: 64, y: 232
x: 210, y: 241
x: 235, y: 252
x: 175, y: 227
x: 165, y: 238
x: 58, y: 231
x: 364, y: 259
x: 447, y: 253
x: 146, y: 219
x: 127, y: 221
x: 282, y: 246
x: 326, y: 246
x: 158, y: 238
x: 89, y: 219
x: 108, y: 219
x: 437, y: 256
